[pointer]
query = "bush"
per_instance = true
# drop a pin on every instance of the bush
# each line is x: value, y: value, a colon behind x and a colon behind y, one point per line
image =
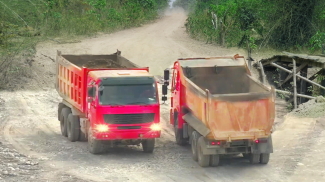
x: 282, y: 24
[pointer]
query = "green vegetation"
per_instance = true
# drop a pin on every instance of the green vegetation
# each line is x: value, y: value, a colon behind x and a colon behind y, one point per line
x: 24, y: 23
x: 281, y: 24
x: 72, y: 17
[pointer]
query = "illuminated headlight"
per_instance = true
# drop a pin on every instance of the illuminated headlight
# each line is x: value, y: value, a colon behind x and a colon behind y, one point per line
x: 101, y: 128
x: 155, y: 127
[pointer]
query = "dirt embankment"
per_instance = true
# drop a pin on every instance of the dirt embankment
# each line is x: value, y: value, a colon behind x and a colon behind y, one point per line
x: 312, y: 109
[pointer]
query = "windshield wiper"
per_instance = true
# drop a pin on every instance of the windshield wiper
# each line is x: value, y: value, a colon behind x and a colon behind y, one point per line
x: 112, y: 104
x: 138, y: 103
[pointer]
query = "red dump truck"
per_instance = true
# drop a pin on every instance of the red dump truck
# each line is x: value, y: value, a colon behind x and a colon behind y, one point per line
x: 107, y: 100
x: 220, y: 109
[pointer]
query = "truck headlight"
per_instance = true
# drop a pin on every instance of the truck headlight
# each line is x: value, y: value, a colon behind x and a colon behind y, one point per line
x: 101, y: 128
x: 155, y: 127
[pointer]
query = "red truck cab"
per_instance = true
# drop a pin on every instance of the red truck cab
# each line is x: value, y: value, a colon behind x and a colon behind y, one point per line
x: 121, y: 106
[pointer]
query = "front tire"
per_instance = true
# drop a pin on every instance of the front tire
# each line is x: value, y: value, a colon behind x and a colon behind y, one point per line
x: 94, y: 146
x: 179, y: 134
x: 148, y: 145
x: 64, y: 121
x: 203, y: 160
x: 73, y: 128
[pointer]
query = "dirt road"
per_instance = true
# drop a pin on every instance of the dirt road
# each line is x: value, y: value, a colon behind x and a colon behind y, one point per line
x: 34, y: 150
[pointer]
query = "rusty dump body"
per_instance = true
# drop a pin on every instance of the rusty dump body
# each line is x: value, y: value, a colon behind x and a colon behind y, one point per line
x: 220, y: 93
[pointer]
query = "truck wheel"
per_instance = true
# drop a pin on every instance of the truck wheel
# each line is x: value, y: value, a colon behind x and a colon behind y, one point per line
x: 194, y: 139
x: 82, y: 136
x: 214, y: 160
x: 73, y: 127
x: 264, y: 159
x: 63, y: 121
x: 60, y: 107
x: 254, y: 158
x: 179, y: 134
x: 148, y: 145
x: 203, y: 160
x: 94, y: 146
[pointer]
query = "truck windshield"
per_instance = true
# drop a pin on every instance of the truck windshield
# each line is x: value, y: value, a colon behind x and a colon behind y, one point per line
x: 128, y: 95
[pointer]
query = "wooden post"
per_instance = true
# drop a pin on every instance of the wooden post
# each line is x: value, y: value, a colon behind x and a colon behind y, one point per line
x: 303, y: 85
x: 322, y: 92
x: 294, y: 84
x: 263, y: 74
x: 249, y: 55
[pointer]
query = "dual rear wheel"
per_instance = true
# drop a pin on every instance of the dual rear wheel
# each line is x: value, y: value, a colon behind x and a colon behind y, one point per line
x: 197, y: 143
x: 197, y: 147
x: 258, y: 158
x: 70, y: 126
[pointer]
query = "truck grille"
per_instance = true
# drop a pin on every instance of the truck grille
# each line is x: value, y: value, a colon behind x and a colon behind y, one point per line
x: 129, y: 118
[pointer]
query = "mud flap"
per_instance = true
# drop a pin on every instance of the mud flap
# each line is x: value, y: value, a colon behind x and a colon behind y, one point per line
x: 263, y: 148
x: 211, y: 150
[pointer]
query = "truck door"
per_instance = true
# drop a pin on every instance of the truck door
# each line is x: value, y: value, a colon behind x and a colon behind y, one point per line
x: 91, y: 103
x: 175, y: 89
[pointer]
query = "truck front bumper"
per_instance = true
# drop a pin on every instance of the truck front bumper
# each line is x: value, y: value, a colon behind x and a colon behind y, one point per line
x: 127, y: 135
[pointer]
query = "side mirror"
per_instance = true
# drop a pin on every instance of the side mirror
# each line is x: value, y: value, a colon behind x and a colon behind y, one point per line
x: 164, y: 93
x: 166, y: 76
x: 90, y: 91
x: 164, y: 89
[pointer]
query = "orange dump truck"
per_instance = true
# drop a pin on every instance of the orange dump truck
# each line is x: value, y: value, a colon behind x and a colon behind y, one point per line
x: 220, y: 109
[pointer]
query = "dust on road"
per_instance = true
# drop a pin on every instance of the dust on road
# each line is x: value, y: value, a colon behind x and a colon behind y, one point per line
x: 29, y: 122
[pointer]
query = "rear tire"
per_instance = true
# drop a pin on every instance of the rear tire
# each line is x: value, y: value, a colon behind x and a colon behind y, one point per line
x: 148, y: 145
x: 254, y: 158
x: 194, y: 139
x: 203, y: 160
x: 264, y: 159
x: 179, y: 134
x: 63, y: 121
x: 94, y: 146
x: 214, y: 160
x: 73, y: 128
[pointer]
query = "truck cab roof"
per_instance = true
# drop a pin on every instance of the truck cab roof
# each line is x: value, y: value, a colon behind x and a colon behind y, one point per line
x: 119, y: 73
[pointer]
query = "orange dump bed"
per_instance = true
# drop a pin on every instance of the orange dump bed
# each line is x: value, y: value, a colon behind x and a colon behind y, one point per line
x: 222, y: 95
